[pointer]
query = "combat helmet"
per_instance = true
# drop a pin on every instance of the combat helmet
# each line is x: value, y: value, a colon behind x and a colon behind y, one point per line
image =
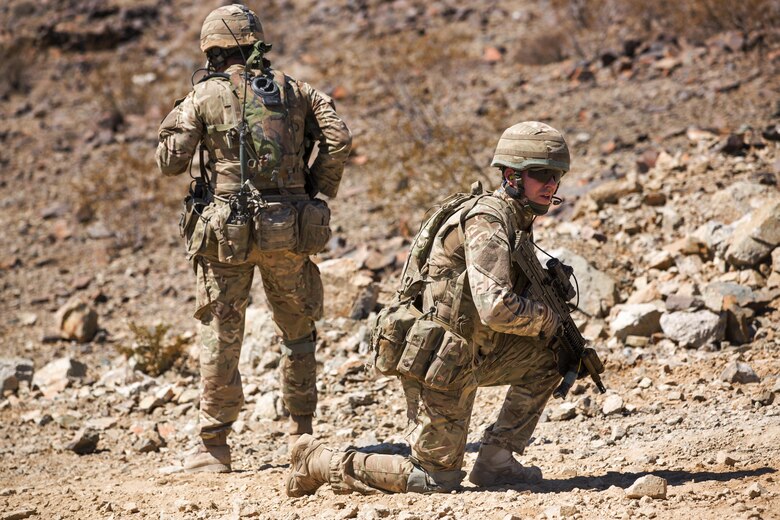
x: 242, y: 21
x: 532, y: 144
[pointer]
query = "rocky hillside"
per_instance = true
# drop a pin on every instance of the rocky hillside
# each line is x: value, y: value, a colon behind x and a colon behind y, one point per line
x: 671, y: 221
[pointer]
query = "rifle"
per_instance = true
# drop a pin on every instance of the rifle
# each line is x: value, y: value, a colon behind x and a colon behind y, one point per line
x: 552, y: 287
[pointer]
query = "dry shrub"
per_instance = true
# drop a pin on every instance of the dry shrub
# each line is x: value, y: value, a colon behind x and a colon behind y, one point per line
x: 152, y: 352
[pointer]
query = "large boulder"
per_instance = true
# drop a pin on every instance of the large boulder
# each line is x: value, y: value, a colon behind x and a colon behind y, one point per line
x: 693, y: 329
x: 597, y: 291
x: 642, y: 319
x: 755, y: 237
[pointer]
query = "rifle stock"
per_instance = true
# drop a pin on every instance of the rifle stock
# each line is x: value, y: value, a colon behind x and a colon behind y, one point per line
x: 552, y: 287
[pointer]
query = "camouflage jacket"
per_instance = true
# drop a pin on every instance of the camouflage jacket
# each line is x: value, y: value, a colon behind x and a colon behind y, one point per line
x: 213, y: 104
x: 491, y: 303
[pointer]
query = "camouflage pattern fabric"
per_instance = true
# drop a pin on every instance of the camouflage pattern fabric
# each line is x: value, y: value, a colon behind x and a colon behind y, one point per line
x: 505, y: 329
x: 292, y: 284
x: 294, y: 292
x: 211, y: 111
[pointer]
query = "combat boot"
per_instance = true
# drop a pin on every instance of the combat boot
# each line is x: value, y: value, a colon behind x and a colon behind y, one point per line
x: 211, y: 455
x: 298, y: 425
x: 309, y: 463
x: 496, y: 465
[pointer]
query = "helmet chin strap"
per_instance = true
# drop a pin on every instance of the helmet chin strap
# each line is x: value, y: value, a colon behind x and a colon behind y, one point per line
x: 533, y: 207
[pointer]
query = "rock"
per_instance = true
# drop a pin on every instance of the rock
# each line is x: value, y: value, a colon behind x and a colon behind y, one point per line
x: 76, y: 320
x: 149, y: 403
x: 558, y: 512
x: 266, y: 406
x: 259, y: 336
x: 365, y: 302
x: 776, y: 260
x: 725, y: 459
x: 84, y: 442
x: 613, y: 404
x: 636, y: 320
x: 693, y: 329
x: 714, y: 293
x: 14, y: 370
x: 681, y: 302
x: 661, y: 260
x: 714, y: 235
x: 189, y: 395
x: 738, y: 372
x: 755, y: 238
x: 610, y: 192
x: 764, y: 398
x: 647, y: 486
x: 56, y: 375
x: 598, y: 292
x: 755, y: 490
x: 738, y: 322
x: 563, y: 412
x: 688, y: 245
x: 343, y: 285
x: 149, y: 441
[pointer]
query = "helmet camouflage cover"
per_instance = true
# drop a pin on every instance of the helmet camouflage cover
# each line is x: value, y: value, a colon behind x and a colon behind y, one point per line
x: 529, y: 144
x: 242, y: 21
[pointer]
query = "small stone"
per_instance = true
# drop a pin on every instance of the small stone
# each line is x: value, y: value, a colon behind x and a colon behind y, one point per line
x: 564, y: 412
x: 149, y: 403
x: 645, y: 382
x: 130, y: 507
x: 647, y: 486
x: 755, y: 490
x: 84, y: 442
x: 55, y: 376
x: 725, y: 459
x: 764, y: 398
x: 77, y: 321
x: 265, y: 407
x: 738, y: 372
x: 559, y: 512
x: 612, y: 404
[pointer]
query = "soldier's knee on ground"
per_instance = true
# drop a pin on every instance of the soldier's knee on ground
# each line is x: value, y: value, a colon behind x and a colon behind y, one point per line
x: 421, y: 481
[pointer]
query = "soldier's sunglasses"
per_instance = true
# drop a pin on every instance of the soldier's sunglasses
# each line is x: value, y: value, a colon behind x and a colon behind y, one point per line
x: 544, y: 175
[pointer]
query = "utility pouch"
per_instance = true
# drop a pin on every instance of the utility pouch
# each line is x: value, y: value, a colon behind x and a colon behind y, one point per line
x: 423, y: 338
x: 187, y: 219
x: 314, y: 226
x: 276, y: 227
x: 447, y: 364
x: 233, y: 246
x: 388, y: 334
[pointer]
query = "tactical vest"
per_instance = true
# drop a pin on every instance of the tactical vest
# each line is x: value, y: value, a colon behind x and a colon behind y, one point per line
x: 275, y: 113
x: 429, y: 300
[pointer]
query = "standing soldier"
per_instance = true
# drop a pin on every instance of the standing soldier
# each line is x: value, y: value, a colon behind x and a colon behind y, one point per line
x: 492, y: 335
x: 253, y: 205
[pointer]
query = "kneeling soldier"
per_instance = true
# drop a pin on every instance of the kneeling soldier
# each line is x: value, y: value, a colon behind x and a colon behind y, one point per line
x: 489, y: 335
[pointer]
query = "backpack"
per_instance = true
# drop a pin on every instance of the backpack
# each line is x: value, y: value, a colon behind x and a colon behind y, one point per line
x: 271, y: 112
x: 398, y: 324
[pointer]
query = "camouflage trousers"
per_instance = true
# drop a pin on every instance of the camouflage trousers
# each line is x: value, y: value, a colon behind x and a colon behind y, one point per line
x: 439, y: 439
x: 294, y: 292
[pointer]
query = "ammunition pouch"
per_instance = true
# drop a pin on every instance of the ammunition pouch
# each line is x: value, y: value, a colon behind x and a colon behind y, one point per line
x: 388, y: 335
x: 447, y: 364
x: 276, y: 227
x: 422, y: 340
x: 314, y: 226
x: 213, y: 237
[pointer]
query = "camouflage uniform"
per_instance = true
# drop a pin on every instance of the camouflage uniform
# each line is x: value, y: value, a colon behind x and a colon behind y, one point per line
x: 290, y: 279
x: 503, y: 328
